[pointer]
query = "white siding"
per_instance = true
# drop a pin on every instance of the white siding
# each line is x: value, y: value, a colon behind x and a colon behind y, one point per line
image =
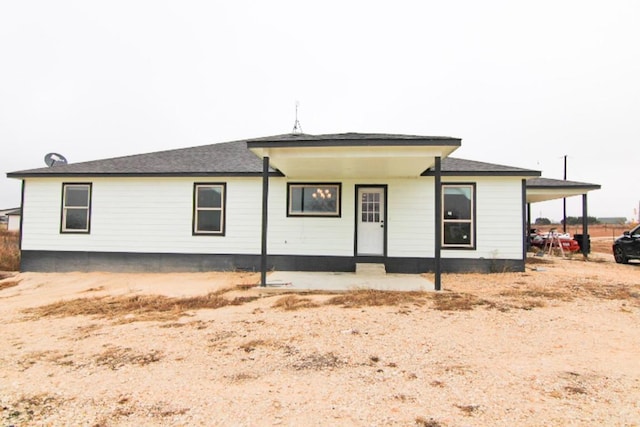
x: 411, y: 231
x: 155, y: 215
x: 310, y: 236
x: 13, y: 222
x: 410, y: 224
x: 499, y: 213
x: 142, y: 215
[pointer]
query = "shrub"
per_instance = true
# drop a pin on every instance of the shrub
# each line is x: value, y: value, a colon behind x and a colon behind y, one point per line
x: 9, y: 250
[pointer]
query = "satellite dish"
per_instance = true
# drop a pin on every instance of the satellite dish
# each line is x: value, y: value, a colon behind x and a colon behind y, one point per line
x: 53, y: 159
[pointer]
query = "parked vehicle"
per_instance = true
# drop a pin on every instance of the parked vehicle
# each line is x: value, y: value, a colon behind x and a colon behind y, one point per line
x: 539, y: 240
x: 627, y: 246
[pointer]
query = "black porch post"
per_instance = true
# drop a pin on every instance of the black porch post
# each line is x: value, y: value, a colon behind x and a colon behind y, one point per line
x: 585, y: 227
x: 265, y: 207
x: 526, y: 223
x: 438, y: 233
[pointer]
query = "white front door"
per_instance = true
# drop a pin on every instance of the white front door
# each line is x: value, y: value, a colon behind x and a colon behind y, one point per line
x: 370, y: 219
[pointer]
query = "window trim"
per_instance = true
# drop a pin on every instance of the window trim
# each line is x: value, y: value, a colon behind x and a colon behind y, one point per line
x: 63, y: 208
x: 222, y: 209
x: 472, y: 221
x: 337, y: 214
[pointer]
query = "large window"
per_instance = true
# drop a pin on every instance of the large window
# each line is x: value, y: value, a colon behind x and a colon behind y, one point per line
x: 209, y: 209
x: 313, y: 200
x: 76, y: 208
x: 458, y: 222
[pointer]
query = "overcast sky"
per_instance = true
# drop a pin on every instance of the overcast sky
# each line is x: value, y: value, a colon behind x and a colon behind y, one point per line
x: 522, y: 83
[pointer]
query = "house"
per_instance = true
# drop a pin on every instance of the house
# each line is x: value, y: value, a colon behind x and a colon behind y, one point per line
x: 287, y: 202
x: 13, y: 220
x: 4, y: 212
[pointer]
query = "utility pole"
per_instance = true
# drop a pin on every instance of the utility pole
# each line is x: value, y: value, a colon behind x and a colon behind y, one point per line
x: 564, y: 200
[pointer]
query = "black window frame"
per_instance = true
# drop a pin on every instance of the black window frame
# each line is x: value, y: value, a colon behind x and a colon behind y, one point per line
x: 223, y: 209
x: 472, y: 221
x: 64, y: 208
x: 314, y: 214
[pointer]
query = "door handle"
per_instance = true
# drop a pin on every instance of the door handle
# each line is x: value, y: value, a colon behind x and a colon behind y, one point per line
x: 381, y: 224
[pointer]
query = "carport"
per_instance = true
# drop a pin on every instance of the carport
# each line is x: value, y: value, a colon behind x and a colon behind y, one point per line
x: 544, y: 189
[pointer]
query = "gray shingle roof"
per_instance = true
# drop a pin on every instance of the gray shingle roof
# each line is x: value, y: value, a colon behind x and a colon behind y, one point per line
x: 548, y: 183
x: 349, y: 136
x: 229, y: 158
x: 235, y: 159
x: 462, y: 167
x: 351, y: 139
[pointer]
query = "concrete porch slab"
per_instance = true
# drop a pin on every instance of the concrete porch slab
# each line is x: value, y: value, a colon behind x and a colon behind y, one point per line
x: 341, y: 282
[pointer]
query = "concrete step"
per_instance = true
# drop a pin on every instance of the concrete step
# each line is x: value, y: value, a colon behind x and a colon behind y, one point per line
x: 370, y: 269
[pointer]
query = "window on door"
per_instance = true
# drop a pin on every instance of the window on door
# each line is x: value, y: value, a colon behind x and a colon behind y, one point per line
x: 370, y: 208
x: 458, y: 222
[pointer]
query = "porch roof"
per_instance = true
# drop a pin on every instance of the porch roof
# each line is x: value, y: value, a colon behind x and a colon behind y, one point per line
x: 353, y: 155
x: 543, y: 189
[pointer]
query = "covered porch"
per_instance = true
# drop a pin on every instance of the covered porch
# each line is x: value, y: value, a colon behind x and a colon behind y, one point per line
x: 370, y: 158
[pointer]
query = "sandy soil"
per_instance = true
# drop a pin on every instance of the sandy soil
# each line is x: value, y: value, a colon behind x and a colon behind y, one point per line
x: 556, y: 345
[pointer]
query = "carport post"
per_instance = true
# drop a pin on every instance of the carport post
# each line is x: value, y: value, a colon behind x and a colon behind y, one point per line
x: 526, y: 223
x: 438, y: 231
x: 265, y: 206
x: 585, y: 227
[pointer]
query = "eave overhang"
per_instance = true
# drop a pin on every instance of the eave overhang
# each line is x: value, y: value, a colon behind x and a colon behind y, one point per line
x: 544, y: 189
x: 19, y: 175
x: 371, y: 158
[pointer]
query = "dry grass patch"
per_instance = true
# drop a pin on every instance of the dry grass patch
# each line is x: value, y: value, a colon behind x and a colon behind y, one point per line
x: 611, y: 292
x: 51, y: 356
x: 242, y: 376
x: 430, y: 422
x: 126, y: 409
x: 318, y: 361
x: 85, y: 331
x: 9, y: 251
x: 136, y: 307
x: 454, y: 301
x: 250, y: 346
x: 575, y: 389
x: 6, y: 284
x: 294, y: 302
x: 96, y: 289
x: 116, y: 357
x: 196, y: 324
x: 537, y: 260
x: 468, y: 410
x: 538, y: 293
x: 372, y: 297
x: 26, y: 409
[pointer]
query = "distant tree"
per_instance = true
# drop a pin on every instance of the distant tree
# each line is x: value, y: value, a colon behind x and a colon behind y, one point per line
x: 543, y: 221
x: 573, y: 220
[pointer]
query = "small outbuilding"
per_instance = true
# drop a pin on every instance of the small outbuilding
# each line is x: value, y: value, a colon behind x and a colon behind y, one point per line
x: 13, y: 220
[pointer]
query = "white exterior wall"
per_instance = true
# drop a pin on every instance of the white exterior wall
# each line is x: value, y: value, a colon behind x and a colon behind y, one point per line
x: 155, y: 215
x: 411, y: 231
x: 499, y: 214
x: 411, y: 218
x: 310, y: 235
x: 142, y: 215
x: 13, y: 222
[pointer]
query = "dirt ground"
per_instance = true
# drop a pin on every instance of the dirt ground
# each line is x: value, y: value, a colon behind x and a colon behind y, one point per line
x: 558, y: 344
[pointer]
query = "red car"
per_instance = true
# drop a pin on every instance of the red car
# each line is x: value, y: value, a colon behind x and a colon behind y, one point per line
x: 539, y: 240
